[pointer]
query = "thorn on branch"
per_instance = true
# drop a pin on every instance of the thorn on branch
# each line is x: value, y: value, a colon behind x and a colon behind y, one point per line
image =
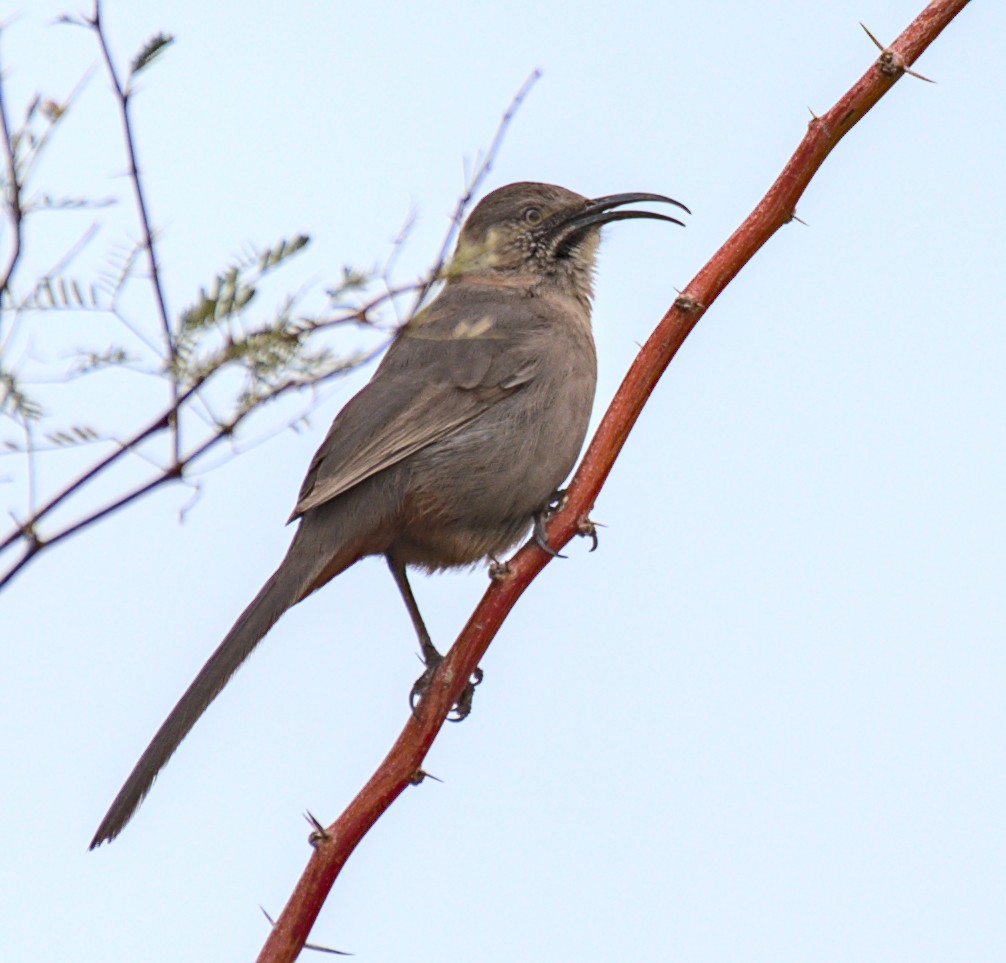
x: 308, y: 946
x: 319, y: 834
x: 420, y: 775
x: 688, y: 304
x: 890, y: 63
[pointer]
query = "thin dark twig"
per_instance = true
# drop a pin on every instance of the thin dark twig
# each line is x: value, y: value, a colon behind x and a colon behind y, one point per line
x: 27, y: 530
x: 122, y: 94
x: 361, y: 313
x: 38, y: 147
x: 67, y: 258
x: 29, y: 445
x: 160, y: 423
x: 35, y: 545
x: 12, y: 201
x: 389, y: 263
x: 472, y: 185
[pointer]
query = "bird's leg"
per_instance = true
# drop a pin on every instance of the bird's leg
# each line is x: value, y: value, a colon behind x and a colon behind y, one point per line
x: 430, y: 656
x: 555, y: 503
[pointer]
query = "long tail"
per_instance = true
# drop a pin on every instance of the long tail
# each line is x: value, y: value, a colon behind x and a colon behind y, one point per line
x: 301, y: 571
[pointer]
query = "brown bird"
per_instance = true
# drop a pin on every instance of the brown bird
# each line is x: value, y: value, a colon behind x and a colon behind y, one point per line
x: 455, y: 447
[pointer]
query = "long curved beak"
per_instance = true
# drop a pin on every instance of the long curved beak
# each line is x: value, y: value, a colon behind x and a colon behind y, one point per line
x: 601, y: 210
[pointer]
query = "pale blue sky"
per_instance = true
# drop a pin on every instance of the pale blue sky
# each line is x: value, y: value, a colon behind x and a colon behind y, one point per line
x: 765, y: 720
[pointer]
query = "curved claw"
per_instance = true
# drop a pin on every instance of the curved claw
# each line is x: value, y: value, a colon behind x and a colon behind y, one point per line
x: 556, y: 502
x: 588, y: 529
x: 422, y: 684
x: 540, y: 538
x: 462, y: 708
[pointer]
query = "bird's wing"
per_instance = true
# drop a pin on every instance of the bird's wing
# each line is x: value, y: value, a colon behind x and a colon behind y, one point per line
x: 432, y: 383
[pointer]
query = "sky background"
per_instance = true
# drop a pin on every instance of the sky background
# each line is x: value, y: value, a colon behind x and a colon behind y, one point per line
x: 764, y: 721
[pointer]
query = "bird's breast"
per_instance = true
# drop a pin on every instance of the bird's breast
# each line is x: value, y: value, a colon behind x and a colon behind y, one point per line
x: 475, y: 492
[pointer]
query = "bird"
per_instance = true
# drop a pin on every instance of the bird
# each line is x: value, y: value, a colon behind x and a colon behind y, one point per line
x: 456, y: 447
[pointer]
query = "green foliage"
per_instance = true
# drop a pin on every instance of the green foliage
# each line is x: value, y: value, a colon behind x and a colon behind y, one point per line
x: 150, y: 52
x: 74, y: 435
x: 275, y: 256
x: 233, y: 289
x: 62, y: 293
x: 29, y: 139
x: 114, y: 356
x: 122, y: 261
x: 274, y: 354
x: 353, y: 280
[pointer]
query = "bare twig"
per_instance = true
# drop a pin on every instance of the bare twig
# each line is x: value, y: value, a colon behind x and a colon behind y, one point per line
x: 35, y: 542
x: 473, y: 183
x: 389, y: 263
x: 12, y: 195
x: 27, y: 529
x: 71, y: 253
x: 122, y: 94
x: 331, y: 852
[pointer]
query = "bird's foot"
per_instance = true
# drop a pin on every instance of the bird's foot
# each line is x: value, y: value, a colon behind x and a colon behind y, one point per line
x: 556, y: 502
x: 421, y: 686
x: 587, y: 528
x: 540, y: 537
x: 463, y: 706
x: 498, y: 571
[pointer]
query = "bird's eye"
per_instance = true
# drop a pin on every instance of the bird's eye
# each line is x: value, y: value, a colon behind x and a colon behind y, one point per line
x: 532, y: 216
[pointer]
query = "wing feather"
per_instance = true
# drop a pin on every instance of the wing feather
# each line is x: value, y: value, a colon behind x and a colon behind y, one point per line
x: 432, y: 383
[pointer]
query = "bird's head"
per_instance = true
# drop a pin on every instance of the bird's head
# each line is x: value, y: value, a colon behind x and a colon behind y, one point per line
x: 541, y: 233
